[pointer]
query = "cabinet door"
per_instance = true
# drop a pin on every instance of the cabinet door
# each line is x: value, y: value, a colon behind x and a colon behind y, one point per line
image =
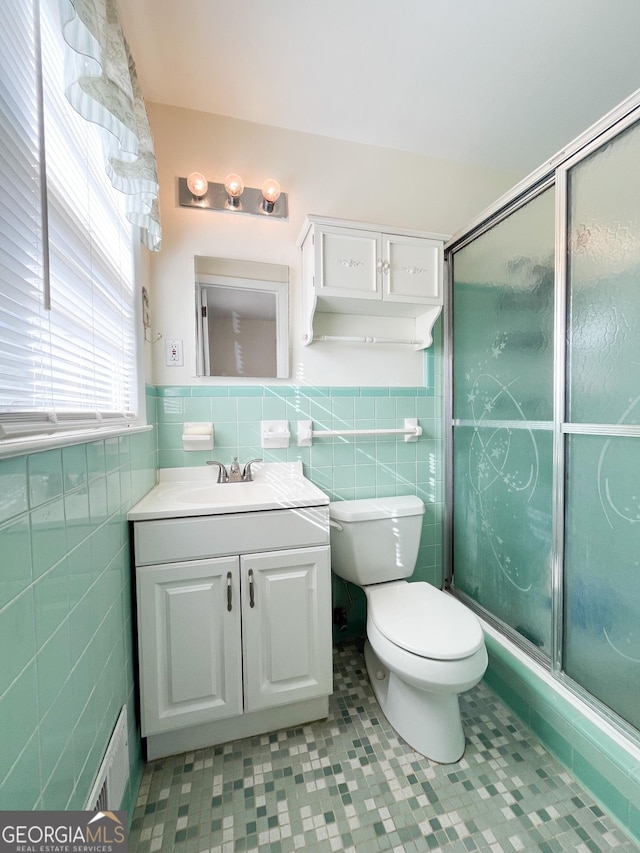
x: 286, y: 626
x: 412, y: 269
x: 347, y: 263
x: 189, y: 643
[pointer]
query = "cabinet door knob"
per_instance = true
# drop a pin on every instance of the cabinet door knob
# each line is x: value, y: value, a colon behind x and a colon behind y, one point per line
x: 386, y: 266
x: 229, y: 590
x: 252, y: 600
x: 379, y: 264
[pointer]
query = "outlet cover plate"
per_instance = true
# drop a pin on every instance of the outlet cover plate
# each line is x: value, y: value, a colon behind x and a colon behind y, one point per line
x: 173, y: 352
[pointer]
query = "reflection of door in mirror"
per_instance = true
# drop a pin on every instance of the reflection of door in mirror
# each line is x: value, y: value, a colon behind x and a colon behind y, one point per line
x: 239, y: 331
x: 242, y: 319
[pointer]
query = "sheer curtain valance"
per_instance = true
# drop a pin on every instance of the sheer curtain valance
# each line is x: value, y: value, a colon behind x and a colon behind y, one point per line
x: 102, y: 85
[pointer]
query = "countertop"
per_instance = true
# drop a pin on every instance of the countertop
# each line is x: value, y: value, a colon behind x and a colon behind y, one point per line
x: 187, y: 492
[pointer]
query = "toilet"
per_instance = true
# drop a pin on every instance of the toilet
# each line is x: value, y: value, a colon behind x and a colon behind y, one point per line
x: 423, y: 646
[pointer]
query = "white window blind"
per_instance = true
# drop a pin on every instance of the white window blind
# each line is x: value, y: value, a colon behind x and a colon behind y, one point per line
x: 72, y: 366
x: 21, y: 292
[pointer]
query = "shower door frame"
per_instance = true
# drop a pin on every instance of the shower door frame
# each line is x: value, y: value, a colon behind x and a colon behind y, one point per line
x: 554, y: 173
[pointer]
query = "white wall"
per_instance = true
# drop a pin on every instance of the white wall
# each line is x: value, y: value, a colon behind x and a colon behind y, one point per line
x: 321, y: 176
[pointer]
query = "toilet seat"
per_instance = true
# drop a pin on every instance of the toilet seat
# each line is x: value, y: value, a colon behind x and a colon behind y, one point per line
x: 424, y: 620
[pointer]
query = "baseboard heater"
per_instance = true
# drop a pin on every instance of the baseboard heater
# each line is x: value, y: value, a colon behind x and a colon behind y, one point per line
x: 113, y: 775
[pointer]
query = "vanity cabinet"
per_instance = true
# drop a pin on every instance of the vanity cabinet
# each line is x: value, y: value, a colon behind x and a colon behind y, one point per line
x: 358, y: 269
x: 224, y: 636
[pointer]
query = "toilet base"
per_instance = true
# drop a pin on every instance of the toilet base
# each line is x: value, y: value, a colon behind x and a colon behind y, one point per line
x: 429, y: 722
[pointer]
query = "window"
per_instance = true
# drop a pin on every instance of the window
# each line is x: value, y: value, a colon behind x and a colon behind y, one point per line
x: 67, y: 290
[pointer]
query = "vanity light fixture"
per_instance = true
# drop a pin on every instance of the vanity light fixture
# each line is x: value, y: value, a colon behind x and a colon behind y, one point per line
x: 232, y: 196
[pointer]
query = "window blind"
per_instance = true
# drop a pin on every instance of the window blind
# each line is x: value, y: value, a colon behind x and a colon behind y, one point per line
x: 21, y: 294
x: 74, y: 365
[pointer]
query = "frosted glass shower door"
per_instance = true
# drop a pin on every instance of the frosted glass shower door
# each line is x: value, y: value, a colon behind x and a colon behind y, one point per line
x: 503, y: 304
x: 601, y: 644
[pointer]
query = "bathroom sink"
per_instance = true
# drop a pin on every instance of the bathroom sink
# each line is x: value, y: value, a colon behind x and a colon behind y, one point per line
x: 183, y: 492
x: 225, y: 494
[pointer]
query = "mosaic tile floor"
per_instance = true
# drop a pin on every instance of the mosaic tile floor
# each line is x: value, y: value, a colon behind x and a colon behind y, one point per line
x: 351, y: 784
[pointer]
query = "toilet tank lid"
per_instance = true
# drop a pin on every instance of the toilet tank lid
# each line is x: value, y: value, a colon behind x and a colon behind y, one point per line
x: 369, y: 509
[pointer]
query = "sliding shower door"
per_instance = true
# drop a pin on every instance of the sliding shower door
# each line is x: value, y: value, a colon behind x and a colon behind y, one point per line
x: 503, y: 414
x: 545, y: 420
x: 601, y: 645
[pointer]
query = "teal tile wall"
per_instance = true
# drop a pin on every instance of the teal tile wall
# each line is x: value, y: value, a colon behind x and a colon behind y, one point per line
x: 66, y: 627
x: 344, y: 467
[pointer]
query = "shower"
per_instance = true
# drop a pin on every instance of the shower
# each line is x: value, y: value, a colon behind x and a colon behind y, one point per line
x: 544, y: 417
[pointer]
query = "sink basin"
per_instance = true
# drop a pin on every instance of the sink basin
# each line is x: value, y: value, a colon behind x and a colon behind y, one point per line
x: 223, y: 493
x: 183, y: 492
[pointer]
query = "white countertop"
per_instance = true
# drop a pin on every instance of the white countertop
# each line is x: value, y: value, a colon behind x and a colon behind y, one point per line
x: 186, y: 492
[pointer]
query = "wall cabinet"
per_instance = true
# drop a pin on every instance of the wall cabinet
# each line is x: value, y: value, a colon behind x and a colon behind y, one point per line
x: 228, y: 637
x: 366, y: 270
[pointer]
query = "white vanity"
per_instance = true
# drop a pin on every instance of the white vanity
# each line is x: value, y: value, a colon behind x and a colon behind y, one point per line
x: 234, y: 606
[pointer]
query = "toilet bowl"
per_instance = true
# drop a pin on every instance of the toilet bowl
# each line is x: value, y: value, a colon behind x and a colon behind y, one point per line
x: 423, y: 646
x: 418, y: 687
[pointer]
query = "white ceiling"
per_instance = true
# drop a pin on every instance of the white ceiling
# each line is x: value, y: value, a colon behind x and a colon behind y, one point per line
x: 501, y: 83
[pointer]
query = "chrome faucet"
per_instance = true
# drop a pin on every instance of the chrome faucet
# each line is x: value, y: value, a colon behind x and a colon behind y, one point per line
x: 234, y: 474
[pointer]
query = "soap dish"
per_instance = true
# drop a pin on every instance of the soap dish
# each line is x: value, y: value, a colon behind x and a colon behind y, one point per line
x: 197, y: 436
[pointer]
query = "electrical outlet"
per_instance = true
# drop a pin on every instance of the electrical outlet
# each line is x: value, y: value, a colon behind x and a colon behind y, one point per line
x: 173, y: 353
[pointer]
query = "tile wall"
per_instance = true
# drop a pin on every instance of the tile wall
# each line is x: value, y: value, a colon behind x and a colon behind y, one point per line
x: 344, y: 468
x: 67, y: 665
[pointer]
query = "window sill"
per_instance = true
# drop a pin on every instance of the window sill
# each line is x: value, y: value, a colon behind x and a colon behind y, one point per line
x: 35, y: 444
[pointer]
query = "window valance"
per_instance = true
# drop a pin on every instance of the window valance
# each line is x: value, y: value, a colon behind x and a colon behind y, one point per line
x: 102, y: 85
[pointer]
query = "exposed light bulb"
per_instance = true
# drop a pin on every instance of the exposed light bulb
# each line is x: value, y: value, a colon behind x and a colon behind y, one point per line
x: 234, y: 188
x: 270, y: 194
x: 197, y: 184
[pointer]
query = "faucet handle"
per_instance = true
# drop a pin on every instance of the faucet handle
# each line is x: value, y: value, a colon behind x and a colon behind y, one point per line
x: 223, y: 475
x: 246, y: 471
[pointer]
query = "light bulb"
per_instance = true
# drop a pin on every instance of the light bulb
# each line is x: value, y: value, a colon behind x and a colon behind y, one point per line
x: 270, y: 194
x: 234, y: 188
x: 197, y: 184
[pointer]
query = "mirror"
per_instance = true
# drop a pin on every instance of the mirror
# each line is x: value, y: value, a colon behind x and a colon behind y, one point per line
x: 242, y: 318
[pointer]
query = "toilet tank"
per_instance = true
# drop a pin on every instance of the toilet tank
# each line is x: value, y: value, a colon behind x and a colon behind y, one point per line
x: 375, y: 540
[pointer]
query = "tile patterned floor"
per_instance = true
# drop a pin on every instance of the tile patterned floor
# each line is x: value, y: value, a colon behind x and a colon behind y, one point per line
x: 351, y: 784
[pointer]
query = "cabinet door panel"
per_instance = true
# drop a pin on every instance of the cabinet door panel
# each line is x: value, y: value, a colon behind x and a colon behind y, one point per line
x: 413, y: 269
x: 287, y: 633
x: 347, y: 263
x: 190, y: 655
